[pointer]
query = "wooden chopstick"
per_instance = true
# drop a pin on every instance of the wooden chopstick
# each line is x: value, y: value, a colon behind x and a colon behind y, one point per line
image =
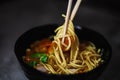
x: 75, y: 9
x: 68, y: 17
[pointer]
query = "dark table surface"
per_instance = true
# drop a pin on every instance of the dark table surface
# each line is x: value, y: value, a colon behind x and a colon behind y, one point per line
x: 17, y: 16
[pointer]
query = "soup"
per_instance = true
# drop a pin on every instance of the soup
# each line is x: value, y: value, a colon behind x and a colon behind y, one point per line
x: 63, y: 55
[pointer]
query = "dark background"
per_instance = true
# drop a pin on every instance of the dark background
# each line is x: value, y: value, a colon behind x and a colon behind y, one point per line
x: 17, y: 16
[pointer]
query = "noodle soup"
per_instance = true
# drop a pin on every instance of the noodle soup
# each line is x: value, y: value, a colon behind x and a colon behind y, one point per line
x: 39, y: 55
x: 86, y: 37
x: 70, y: 57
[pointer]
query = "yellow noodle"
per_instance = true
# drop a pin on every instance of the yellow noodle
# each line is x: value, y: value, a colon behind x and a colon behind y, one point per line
x: 86, y: 60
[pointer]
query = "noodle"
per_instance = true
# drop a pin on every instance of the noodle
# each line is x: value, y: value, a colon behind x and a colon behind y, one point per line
x: 78, y: 61
x: 67, y: 57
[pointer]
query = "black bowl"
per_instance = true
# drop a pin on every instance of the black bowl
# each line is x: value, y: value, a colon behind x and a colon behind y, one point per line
x: 44, y: 31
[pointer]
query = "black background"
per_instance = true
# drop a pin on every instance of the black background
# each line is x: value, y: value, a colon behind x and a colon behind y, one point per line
x: 17, y: 16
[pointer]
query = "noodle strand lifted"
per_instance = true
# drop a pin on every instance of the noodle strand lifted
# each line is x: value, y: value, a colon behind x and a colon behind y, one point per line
x: 69, y: 59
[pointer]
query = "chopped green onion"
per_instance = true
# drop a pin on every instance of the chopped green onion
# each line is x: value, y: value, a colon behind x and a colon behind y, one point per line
x: 32, y: 64
x: 44, y: 58
x: 37, y: 55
